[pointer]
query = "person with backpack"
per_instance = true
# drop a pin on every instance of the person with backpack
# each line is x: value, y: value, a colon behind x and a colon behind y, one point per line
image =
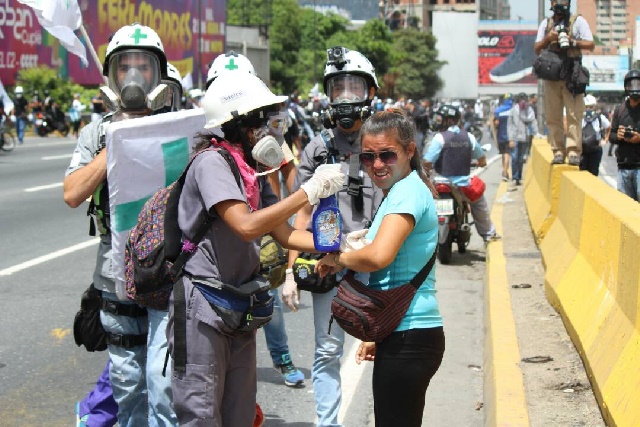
x: 521, y: 126
x: 625, y: 134
x: 134, y: 64
x: 561, y: 38
x: 501, y: 125
x: 274, y: 332
x: 594, y: 125
x: 221, y: 299
x: 350, y: 83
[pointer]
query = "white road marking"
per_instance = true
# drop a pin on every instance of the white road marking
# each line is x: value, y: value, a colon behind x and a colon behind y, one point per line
x: 61, y: 156
x: 350, y: 373
x: 44, y: 258
x: 43, y: 187
x: 606, y: 178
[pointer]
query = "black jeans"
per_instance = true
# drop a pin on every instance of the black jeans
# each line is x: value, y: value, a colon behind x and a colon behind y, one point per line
x: 590, y: 161
x: 403, y: 366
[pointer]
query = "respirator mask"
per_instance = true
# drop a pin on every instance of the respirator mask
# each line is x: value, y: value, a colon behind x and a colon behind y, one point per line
x: 348, y: 95
x: 632, y: 88
x: 561, y: 7
x: 270, y: 137
x: 134, y: 82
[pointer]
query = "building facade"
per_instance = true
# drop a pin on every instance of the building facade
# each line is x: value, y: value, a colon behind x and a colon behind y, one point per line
x: 495, y: 10
x: 613, y: 23
x: 407, y: 12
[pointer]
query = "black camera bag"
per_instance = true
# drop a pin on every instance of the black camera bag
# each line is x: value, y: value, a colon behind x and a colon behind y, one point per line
x: 549, y: 65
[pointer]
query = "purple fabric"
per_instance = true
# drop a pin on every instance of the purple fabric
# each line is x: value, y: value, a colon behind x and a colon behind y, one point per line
x: 99, y: 403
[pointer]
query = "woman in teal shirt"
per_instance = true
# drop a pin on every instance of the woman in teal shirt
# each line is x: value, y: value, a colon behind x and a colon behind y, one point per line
x: 404, y: 235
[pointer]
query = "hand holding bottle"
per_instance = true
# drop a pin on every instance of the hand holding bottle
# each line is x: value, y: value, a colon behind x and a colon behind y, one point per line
x: 327, y: 180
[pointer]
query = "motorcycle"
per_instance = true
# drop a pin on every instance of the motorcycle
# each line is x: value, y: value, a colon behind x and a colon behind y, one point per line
x: 453, y: 209
x: 47, y: 123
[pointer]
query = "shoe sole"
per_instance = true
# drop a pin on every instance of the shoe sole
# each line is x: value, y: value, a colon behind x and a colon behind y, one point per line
x: 296, y: 384
x: 513, y: 77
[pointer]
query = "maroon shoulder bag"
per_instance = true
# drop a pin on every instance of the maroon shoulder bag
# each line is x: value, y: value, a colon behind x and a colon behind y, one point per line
x: 370, y: 314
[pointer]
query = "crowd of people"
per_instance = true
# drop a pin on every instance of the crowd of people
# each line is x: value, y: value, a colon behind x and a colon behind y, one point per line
x: 375, y: 156
x: 370, y: 158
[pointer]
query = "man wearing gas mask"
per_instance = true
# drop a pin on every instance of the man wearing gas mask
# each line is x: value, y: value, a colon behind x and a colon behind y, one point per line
x: 625, y: 132
x: 350, y: 83
x: 135, y: 63
x: 566, y: 36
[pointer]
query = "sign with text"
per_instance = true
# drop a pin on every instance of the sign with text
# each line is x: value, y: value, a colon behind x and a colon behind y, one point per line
x: 506, y: 57
x: 192, y: 36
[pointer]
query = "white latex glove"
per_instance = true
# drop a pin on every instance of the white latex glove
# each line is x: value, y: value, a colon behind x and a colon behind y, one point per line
x: 354, y: 240
x: 290, y: 294
x: 326, y: 180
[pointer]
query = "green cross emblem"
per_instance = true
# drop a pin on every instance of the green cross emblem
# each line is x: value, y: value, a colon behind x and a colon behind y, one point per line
x: 231, y: 65
x: 137, y: 35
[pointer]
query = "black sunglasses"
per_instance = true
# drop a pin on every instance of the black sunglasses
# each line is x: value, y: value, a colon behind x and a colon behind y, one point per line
x: 387, y: 157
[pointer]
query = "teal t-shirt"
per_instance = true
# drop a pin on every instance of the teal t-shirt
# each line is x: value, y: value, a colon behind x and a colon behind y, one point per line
x: 411, y: 196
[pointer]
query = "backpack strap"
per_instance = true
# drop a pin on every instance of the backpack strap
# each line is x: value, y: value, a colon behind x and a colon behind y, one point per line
x: 354, y: 182
x: 179, y: 330
x: 189, y: 246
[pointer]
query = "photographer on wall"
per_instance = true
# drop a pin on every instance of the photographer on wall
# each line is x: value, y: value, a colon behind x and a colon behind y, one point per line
x: 559, y: 44
x: 625, y: 132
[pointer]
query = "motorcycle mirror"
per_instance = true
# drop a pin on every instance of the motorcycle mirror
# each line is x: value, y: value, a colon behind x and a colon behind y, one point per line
x: 486, y: 147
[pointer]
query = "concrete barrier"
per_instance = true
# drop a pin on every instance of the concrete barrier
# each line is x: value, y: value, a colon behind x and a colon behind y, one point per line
x: 542, y: 187
x: 505, y: 402
x: 590, y: 252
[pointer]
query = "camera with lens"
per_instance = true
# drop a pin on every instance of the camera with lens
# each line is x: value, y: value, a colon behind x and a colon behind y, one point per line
x: 628, y: 132
x: 336, y: 55
x: 563, y: 37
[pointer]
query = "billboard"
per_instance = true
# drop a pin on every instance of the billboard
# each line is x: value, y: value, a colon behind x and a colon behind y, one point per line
x: 455, y: 34
x: 192, y: 31
x: 505, y: 57
x: 606, y: 72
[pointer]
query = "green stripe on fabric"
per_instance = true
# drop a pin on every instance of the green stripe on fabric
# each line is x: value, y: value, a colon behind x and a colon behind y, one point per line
x: 126, y: 214
x: 176, y: 157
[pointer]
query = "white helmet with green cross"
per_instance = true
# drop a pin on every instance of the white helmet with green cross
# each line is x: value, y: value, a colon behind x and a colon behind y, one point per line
x: 228, y: 62
x: 140, y: 43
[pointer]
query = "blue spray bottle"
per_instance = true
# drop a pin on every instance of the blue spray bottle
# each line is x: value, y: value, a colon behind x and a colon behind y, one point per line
x: 327, y: 225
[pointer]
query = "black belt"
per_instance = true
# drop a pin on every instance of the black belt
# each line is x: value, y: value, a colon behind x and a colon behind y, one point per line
x: 120, y: 309
x: 126, y: 341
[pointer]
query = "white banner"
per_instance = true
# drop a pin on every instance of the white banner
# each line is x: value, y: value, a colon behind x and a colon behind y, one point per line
x: 61, y: 18
x: 144, y: 155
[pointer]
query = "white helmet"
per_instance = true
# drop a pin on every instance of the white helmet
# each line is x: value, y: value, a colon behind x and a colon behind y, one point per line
x: 344, y: 61
x: 235, y: 94
x: 19, y: 90
x: 130, y: 39
x: 590, y: 100
x: 229, y: 62
x: 174, y: 81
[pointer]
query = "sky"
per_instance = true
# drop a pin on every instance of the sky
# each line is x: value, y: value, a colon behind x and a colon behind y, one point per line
x: 527, y: 9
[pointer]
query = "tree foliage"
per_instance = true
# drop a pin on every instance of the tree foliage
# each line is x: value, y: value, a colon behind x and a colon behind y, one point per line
x: 62, y: 90
x: 299, y: 38
x: 415, y: 64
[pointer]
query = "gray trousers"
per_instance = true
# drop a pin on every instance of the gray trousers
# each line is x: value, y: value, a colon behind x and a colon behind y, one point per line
x: 219, y: 387
x: 481, y: 217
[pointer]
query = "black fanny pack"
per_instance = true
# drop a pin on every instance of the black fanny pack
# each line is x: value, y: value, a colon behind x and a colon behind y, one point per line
x: 305, y: 277
x: 87, y: 327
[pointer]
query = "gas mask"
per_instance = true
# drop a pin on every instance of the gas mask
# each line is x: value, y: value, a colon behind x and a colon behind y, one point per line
x: 268, y: 150
x: 632, y: 88
x: 133, y: 101
x: 348, y: 95
x: 134, y: 77
x: 589, y: 114
x: 561, y: 7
